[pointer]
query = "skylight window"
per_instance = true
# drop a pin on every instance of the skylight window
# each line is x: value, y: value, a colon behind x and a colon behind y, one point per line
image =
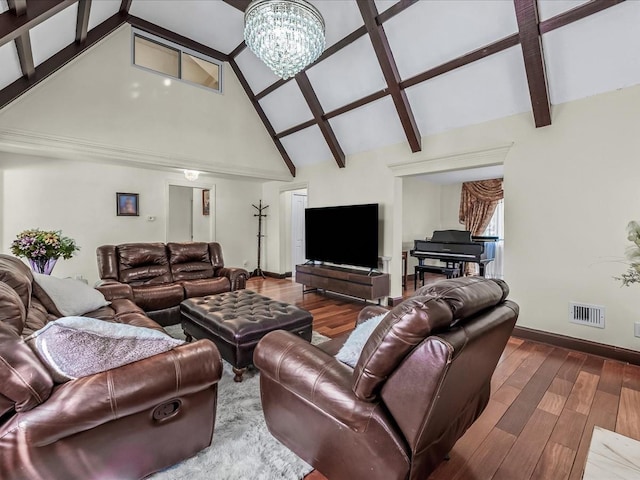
x: 158, y: 55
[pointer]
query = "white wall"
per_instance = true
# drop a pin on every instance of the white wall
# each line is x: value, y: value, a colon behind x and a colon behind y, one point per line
x: 101, y: 106
x: 420, y: 213
x: 450, y: 202
x: 570, y: 190
x: 79, y: 199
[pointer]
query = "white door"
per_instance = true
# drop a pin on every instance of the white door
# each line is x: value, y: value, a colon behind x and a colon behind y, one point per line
x: 180, y: 227
x: 298, y: 204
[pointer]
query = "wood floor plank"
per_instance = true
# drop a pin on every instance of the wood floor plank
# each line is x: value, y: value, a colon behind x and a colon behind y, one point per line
x: 552, y: 403
x: 555, y: 463
x: 527, y: 402
x: 611, y: 377
x: 506, y: 394
x: 631, y: 377
x: 628, y: 422
x: 568, y: 429
x: 604, y: 410
x: 487, y: 458
x: 582, y: 393
x: 571, y: 367
x: 523, y: 457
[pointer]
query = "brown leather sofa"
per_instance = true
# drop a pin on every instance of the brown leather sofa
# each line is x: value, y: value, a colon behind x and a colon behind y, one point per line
x: 123, y: 423
x: 157, y: 277
x: 423, y: 377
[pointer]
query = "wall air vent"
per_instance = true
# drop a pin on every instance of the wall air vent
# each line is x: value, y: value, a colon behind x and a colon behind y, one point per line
x: 584, y: 314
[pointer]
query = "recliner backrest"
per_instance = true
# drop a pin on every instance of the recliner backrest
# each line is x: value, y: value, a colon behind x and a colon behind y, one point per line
x: 189, y: 261
x: 407, y: 325
x: 143, y: 263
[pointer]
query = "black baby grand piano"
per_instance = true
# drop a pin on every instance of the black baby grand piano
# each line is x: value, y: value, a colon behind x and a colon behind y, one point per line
x: 454, y: 248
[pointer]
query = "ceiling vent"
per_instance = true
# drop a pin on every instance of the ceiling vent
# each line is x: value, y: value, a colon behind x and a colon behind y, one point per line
x: 584, y: 314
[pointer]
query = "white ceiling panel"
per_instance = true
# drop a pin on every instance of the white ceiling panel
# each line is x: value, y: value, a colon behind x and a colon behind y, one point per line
x: 341, y: 17
x: 102, y: 10
x: 485, y: 90
x: 307, y: 147
x: 597, y: 54
x: 286, y: 107
x: 10, y: 70
x: 3, y: 6
x: 54, y: 34
x: 366, y: 128
x: 347, y: 75
x: 214, y: 24
x: 430, y: 33
x: 551, y: 8
x: 258, y: 75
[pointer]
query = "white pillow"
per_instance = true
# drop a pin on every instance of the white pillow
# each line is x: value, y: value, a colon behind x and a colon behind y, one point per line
x: 350, y: 351
x: 74, y: 347
x: 71, y: 296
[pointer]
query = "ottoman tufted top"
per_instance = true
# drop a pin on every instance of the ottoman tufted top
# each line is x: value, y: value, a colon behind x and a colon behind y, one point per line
x: 243, y: 315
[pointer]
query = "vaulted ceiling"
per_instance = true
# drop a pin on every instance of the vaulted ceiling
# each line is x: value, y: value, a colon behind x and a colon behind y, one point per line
x: 393, y: 71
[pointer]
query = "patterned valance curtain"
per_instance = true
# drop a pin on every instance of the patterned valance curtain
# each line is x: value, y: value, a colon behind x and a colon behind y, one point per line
x: 478, y: 201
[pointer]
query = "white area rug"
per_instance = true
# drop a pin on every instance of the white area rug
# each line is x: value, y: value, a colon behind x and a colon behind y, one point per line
x: 242, y: 447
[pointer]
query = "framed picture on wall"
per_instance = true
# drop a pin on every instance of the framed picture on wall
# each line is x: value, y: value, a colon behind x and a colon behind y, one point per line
x: 205, y: 202
x: 127, y: 204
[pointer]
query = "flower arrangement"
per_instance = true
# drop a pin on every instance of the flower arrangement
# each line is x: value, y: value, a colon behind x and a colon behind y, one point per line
x: 43, y: 247
x: 632, y: 275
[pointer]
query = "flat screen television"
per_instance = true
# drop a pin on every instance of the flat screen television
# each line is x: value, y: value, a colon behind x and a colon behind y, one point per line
x: 344, y: 235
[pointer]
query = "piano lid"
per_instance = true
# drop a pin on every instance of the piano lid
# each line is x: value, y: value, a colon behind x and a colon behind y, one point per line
x: 451, y: 236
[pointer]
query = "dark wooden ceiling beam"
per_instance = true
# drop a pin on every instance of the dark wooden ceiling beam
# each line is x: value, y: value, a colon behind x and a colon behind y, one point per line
x: 263, y: 117
x: 531, y: 44
x: 466, y: 59
x: 23, y: 42
x: 25, y: 55
x: 177, y: 38
x: 18, y: 7
x: 390, y: 71
x: 238, y: 50
x: 82, y: 22
x: 239, y: 4
x: 125, y: 5
x: 12, y: 26
x: 575, y: 14
x: 316, y: 109
x: 296, y: 128
x: 57, y: 61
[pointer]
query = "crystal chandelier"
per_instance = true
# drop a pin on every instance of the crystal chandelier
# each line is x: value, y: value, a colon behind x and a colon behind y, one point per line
x: 287, y: 35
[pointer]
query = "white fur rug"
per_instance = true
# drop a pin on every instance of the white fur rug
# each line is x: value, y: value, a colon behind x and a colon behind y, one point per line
x: 242, y: 446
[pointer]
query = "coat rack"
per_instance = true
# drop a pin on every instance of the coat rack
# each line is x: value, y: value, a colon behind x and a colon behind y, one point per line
x: 260, y: 208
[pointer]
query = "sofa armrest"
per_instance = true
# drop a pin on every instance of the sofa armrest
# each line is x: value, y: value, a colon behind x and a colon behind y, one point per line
x: 237, y: 276
x: 112, y: 290
x: 369, y: 312
x: 88, y: 402
x: 313, y: 375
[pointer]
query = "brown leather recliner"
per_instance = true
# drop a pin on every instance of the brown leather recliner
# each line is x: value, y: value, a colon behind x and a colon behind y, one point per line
x: 157, y: 277
x: 423, y: 377
x: 124, y: 423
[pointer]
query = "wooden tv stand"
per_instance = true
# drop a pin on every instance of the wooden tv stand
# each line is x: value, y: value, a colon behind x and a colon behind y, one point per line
x: 348, y: 281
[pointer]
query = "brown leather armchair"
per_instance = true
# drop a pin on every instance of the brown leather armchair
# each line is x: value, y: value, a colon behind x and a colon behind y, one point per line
x: 423, y: 377
x: 157, y: 277
x: 124, y: 423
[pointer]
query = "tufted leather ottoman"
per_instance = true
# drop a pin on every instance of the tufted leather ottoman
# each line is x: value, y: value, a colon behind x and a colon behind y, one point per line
x: 236, y: 321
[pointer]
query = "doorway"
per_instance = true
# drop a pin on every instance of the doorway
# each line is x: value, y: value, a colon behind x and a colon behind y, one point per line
x: 298, y: 206
x: 190, y: 213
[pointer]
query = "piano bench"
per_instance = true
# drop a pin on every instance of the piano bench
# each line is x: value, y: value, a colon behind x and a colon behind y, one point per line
x: 421, y: 269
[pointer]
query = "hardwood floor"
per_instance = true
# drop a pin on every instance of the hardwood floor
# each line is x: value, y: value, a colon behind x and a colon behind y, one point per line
x: 544, y: 405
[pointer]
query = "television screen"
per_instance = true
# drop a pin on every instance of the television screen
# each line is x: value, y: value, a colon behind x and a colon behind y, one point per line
x: 345, y: 235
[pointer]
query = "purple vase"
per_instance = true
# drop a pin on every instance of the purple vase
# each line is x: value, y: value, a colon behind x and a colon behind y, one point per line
x: 42, y: 264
